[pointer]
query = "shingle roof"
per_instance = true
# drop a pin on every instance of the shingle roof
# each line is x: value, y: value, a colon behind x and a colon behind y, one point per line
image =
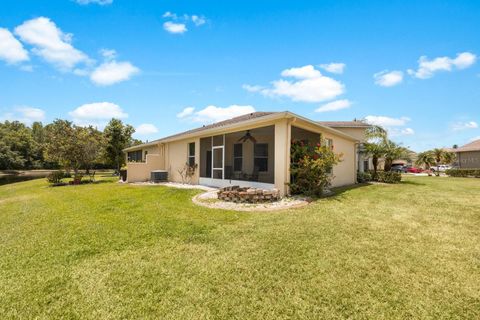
x: 345, y: 124
x: 472, y: 146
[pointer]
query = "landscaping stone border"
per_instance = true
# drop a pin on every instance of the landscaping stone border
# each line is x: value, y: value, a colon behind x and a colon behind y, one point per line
x: 247, y: 195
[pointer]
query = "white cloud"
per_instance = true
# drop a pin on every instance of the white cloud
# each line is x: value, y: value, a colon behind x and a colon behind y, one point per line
x: 305, y: 72
x: 334, y: 67
x: 108, y: 54
x: 25, y: 115
x: 387, y: 121
x: 310, y: 86
x: 334, y: 106
x: 11, y: 50
x: 175, y: 28
x: 169, y: 14
x: 464, y: 125
x: 214, y: 114
x: 97, y: 113
x: 475, y: 138
x: 51, y: 43
x: 198, y: 20
x: 427, y: 68
x: 146, y: 129
x: 100, y: 2
x: 395, y: 126
x: 188, y: 111
x: 387, y: 78
x: 111, y: 72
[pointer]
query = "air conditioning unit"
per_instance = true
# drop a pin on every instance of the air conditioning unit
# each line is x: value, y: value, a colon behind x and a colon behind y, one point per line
x: 159, y: 176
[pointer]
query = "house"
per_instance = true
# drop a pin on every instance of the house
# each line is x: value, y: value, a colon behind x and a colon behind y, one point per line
x: 468, y: 156
x: 249, y: 150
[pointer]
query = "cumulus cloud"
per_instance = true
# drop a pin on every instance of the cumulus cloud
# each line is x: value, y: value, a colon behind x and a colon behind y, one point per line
x: 212, y: 113
x: 146, y: 129
x: 394, y: 126
x: 188, y: 111
x: 464, y: 125
x: 112, y: 72
x: 24, y: 114
x: 334, y: 67
x: 51, y: 43
x: 11, y: 50
x: 100, y: 2
x: 309, y: 85
x: 177, y: 24
x: 387, y: 78
x: 334, y: 106
x: 427, y: 68
x: 175, y: 28
x: 97, y: 113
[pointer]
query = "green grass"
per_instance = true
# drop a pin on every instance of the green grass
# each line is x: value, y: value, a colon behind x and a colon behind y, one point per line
x: 112, y: 251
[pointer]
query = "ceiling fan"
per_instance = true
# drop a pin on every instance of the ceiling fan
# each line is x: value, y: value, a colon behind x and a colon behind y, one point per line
x: 247, y: 137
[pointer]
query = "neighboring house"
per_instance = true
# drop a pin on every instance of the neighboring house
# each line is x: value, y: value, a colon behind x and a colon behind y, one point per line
x: 468, y: 156
x: 249, y: 150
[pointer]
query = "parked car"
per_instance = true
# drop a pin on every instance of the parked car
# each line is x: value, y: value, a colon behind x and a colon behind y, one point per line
x: 399, y: 168
x: 411, y: 169
x: 441, y: 168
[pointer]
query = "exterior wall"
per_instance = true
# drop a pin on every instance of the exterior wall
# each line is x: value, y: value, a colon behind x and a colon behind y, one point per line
x: 357, y: 133
x: 140, y: 171
x: 176, y: 156
x: 345, y: 173
x: 469, y: 159
x: 282, y: 155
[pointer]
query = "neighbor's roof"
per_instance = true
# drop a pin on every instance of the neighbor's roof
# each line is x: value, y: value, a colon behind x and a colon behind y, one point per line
x: 250, y: 117
x: 345, y: 124
x: 472, y: 146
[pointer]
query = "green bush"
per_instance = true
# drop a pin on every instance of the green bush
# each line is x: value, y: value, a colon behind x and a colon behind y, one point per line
x: 56, y: 177
x: 363, y: 177
x: 463, y: 173
x: 311, y: 168
x: 386, y: 176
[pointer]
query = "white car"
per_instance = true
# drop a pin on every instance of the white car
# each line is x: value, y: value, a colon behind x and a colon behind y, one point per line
x: 441, y: 168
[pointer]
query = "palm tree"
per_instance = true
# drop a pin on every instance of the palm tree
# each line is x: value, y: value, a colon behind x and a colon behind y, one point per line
x: 449, y: 157
x: 438, y: 156
x: 393, y: 151
x: 425, y: 159
x: 376, y: 151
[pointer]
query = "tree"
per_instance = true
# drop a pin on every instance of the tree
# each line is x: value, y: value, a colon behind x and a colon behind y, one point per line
x: 438, y: 156
x: 74, y: 147
x: 425, y: 159
x: 117, y: 137
x: 376, y: 150
x: 449, y: 157
x: 17, y: 145
x: 393, y: 151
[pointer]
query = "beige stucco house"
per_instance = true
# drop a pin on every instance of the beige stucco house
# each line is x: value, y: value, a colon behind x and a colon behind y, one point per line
x: 468, y: 156
x: 249, y: 150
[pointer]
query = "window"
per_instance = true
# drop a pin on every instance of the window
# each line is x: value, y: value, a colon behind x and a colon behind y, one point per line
x: 191, y: 154
x: 237, y: 157
x: 329, y: 143
x: 134, y: 156
x: 366, y: 164
x: 260, y: 157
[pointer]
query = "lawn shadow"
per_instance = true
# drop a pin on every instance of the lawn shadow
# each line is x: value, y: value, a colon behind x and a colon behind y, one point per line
x: 413, y: 183
x: 338, y: 191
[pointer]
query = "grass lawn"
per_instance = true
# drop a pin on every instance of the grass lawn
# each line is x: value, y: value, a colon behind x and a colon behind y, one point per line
x: 109, y: 251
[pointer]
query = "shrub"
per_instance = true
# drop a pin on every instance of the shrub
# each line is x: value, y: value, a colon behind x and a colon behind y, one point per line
x: 363, y: 177
x: 463, y: 173
x: 56, y: 177
x: 388, y: 177
x: 311, y: 168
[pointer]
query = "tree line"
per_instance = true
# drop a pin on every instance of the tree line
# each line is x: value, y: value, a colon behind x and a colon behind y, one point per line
x: 62, y: 144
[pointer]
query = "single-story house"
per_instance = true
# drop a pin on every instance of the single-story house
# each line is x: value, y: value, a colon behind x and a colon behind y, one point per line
x: 249, y: 150
x: 468, y: 156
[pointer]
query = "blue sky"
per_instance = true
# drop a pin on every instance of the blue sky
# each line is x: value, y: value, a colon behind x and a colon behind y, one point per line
x: 167, y: 66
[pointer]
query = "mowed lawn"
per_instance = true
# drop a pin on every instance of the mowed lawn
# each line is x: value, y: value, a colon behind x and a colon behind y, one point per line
x: 113, y: 251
